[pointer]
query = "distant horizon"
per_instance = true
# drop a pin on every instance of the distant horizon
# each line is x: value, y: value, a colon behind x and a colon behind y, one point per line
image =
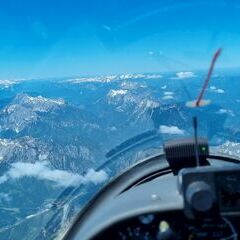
x: 231, y: 70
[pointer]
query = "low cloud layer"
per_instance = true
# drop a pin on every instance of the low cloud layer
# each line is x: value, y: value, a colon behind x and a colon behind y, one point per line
x: 171, y: 130
x: 42, y: 171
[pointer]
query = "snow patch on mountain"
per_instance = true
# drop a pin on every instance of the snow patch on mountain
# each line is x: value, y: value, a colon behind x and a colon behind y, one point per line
x: 114, y: 93
x: 131, y: 76
x: 17, y: 117
x: 139, y: 76
x: 110, y: 78
x: 7, y: 83
x: 149, y: 104
x: 138, y: 106
x: 25, y: 149
x: 30, y: 150
x: 4, y: 197
x: 131, y: 85
x: 126, y: 99
x: 92, y: 79
x: 229, y: 148
x: 153, y: 76
x: 8, y: 143
x: 39, y: 103
x: 24, y: 110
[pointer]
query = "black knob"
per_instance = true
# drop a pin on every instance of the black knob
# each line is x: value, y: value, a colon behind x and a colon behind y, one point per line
x: 200, y: 196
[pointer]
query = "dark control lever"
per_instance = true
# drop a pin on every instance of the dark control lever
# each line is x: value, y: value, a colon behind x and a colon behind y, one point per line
x: 165, y: 232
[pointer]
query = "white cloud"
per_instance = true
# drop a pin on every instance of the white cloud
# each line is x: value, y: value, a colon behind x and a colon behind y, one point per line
x: 107, y: 27
x: 216, y: 90
x: 42, y: 171
x: 95, y: 177
x: 171, y: 130
x: 168, y: 93
x: 221, y: 111
x: 220, y: 90
x: 164, y: 87
x: 225, y: 111
x: 185, y: 75
x: 213, y: 88
x: 167, y: 97
x: 113, y: 128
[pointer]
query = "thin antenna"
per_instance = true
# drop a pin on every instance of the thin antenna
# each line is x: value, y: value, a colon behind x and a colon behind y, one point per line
x: 210, y: 71
x: 196, y: 141
x: 199, y: 102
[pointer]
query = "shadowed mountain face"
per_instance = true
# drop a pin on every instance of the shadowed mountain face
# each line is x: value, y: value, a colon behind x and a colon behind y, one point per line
x: 61, y: 140
x: 181, y: 116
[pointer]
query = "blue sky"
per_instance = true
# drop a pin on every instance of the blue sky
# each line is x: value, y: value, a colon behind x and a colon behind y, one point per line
x: 60, y: 38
